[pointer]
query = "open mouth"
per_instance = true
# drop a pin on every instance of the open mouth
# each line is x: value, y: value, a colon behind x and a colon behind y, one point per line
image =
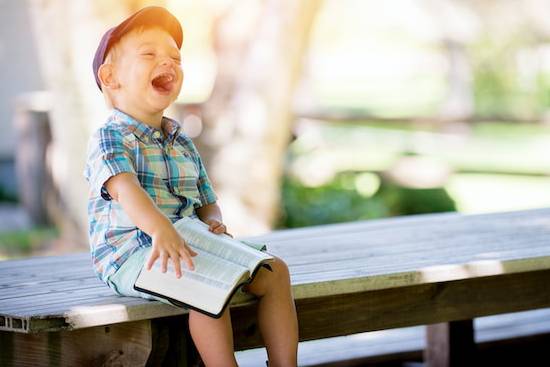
x: 164, y: 83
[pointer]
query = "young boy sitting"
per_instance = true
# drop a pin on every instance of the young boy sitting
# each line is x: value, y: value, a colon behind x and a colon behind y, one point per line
x: 145, y: 173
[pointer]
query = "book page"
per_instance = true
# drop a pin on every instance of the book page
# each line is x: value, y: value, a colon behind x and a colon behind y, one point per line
x: 196, y: 234
x: 191, y: 290
x: 213, y: 270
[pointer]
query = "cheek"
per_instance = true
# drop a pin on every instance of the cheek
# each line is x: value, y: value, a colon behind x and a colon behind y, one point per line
x: 181, y: 78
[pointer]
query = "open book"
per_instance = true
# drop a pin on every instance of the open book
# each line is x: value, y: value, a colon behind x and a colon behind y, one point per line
x: 222, y: 265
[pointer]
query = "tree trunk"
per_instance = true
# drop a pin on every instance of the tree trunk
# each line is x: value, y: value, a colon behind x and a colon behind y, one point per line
x: 248, y: 117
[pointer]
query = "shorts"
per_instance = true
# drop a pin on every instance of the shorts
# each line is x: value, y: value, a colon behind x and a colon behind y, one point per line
x: 122, y: 282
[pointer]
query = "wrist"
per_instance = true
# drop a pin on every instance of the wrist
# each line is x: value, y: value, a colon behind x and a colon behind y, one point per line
x: 163, y: 226
x: 212, y: 219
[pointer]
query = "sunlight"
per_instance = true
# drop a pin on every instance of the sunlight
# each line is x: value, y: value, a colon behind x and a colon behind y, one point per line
x: 449, y: 272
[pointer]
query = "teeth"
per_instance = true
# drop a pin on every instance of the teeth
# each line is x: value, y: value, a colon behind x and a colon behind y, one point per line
x: 167, y: 77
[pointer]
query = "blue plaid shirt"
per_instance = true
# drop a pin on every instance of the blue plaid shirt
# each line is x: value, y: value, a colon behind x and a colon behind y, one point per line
x: 168, y: 168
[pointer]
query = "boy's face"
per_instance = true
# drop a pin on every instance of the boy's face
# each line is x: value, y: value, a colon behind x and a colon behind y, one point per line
x: 147, y: 70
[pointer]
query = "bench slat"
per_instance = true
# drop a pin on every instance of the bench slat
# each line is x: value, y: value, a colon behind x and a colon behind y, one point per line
x: 323, y: 260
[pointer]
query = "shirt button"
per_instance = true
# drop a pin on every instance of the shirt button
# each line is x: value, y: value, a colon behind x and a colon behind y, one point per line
x: 156, y: 134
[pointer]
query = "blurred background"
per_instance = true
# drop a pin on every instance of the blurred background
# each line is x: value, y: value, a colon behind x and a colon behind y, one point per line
x: 305, y: 112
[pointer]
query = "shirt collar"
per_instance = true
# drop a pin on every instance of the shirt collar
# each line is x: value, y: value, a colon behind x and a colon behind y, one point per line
x: 145, y: 132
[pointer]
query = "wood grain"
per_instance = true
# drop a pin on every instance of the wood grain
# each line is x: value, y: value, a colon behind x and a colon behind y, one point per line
x: 325, y: 261
x: 407, y: 306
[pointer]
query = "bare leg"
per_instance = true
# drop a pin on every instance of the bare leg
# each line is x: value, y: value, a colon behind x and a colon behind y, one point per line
x: 213, y: 338
x: 277, y: 314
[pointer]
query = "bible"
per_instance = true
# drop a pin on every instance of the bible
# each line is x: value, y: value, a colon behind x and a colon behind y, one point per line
x: 222, y: 266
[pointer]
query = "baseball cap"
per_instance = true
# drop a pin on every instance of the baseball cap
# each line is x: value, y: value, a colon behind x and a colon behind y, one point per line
x: 151, y: 16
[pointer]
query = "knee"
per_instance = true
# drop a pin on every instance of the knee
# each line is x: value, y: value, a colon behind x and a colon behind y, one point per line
x: 280, y: 270
x: 266, y: 281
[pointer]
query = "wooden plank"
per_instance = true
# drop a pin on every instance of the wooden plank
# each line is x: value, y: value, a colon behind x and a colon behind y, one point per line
x: 389, y: 345
x: 441, y: 222
x: 297, y: 289
x: 413, y: 246
x: 45, y: 261
x: 125, y: 344
x: 424, y: 244
x: 450, y: 344
x: 378, y: 262
x: 406, y: 306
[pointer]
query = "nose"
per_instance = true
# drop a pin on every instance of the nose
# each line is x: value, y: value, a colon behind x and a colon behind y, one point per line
x: 166, y: 60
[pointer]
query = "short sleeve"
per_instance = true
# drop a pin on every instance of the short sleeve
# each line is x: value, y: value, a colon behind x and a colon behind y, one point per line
x: 206, y: 192
x: 108, y: 155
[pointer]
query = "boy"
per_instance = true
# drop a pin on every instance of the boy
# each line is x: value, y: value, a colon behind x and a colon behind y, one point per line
x: 144, y: 174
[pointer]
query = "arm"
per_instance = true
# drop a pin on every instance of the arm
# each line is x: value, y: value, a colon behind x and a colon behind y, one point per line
x: 211, y: 214
x: 167, y: 243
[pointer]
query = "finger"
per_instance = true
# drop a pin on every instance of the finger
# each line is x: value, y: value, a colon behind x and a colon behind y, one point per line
x: 187, y: 249
x: 219, y: 229
x: 152, y: 258
x: 184, y: 254
x: 164, y: 261
x: 213, y: 224
x: 190, y: 251
x: 177, y: 264
x: 187, y: 259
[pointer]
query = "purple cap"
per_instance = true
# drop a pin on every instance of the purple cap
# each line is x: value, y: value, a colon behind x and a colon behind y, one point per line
x: 152, y: 16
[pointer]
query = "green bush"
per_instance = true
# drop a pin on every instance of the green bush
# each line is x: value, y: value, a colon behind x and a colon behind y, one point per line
x: 339, y: 201
x: 22, y: 243
x: 407, y: 201
x: 331, y: 203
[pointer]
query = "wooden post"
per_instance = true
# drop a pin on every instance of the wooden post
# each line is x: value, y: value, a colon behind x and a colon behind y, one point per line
x: 172, y: 345
x: 34, y: 137
x: 450, y: 344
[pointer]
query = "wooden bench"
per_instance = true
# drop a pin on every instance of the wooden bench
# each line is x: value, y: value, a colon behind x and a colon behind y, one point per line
x: 441, y: 270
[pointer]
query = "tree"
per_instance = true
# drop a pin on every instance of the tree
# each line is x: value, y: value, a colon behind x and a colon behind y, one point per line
x: 248, y: 117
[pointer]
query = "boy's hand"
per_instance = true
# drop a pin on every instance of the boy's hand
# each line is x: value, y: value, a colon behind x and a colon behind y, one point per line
x: 168, y: 244
x: 217, y: 227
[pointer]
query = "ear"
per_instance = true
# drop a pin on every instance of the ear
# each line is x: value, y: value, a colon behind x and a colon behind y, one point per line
x: 107, y: 76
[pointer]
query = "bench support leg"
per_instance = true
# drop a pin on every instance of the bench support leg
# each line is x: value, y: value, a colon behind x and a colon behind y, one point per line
x: 450, y: 344
x: 172, y: 345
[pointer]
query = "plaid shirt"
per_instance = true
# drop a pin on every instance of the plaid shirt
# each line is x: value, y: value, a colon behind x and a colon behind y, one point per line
x: 169, y: 169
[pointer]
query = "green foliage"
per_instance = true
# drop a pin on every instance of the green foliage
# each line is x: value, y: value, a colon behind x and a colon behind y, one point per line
x: 501, y: 88
x: 339, y: 201
x: 406, y: 201
x: 331, y: 203
x: 23, y: 242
